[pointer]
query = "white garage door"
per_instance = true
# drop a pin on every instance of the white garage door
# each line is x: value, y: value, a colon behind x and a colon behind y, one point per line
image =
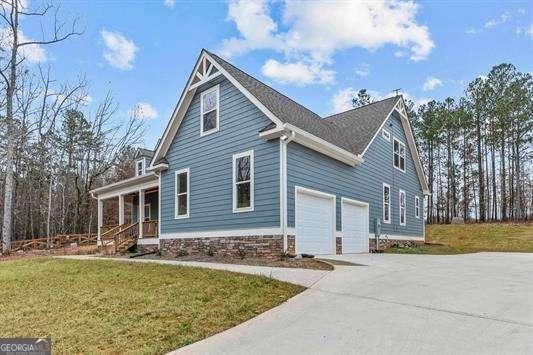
x: 315, y: 220
x: 354, y: 227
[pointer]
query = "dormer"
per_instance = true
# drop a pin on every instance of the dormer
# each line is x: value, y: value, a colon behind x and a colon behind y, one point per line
x: 142, y: 160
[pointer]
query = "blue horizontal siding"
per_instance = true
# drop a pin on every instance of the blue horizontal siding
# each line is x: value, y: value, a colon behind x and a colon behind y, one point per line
x: 364, y: 183
x: 209, y: 160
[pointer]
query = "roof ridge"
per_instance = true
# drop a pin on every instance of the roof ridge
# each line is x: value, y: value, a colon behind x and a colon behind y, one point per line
x: 260, y: 81
x: 360, y: 107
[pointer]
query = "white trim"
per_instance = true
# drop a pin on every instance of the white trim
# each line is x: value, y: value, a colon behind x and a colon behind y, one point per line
x: 283, y: 190
x: 333, y: 198
x: 224, y: 233
x: 366, y: 206
x: 216, y: 89
x: 204, y: 80
x: 176, y: 195
x: 159, y: 212
x: 248, y: 153
x: 400, y: 192
x: 386, y: 134
x: 383, y: 204
x: 400, y: 144
x: 417, y: 207
x: 126, y: 186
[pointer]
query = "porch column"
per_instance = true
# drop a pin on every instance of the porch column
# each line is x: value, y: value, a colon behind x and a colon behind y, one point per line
x: 141, y: 212
x: 100, y: 218
x: 120, y: 209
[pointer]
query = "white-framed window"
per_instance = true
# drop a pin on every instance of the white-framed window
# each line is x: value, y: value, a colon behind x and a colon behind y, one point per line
x: 417, y: 207
x: 386, y: 203
x: 399, y: 155
x: 209, y: 111
x: 181, y: 201
x: 243, y: 181
x: 385, y: 134
x: 402, y: 207
x: 139, y: 167
x: 147, y: 212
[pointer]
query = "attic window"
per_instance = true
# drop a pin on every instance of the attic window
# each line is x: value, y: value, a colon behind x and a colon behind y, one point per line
x: 139, y: 167
x: 209, y: 108
x: 399, y: 155
x: 386, y: 135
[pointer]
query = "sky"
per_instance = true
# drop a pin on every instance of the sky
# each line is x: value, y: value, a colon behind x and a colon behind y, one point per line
x: 319, y: 53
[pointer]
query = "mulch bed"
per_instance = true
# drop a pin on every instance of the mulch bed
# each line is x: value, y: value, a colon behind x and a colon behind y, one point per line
x: 301, y: 263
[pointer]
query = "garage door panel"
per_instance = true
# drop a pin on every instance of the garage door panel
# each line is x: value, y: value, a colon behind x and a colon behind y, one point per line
x: 354, y: 228
x: 314, y: 223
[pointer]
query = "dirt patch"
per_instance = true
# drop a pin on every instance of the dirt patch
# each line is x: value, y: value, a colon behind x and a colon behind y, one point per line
x: 301, y: 263
x: 75, y: 250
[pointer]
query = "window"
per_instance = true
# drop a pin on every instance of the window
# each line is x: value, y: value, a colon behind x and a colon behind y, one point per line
x: 243, y: 182
x: 386, y: 134
x: 181, y: 203
x: 417, y: 207
x: 399, y: 155
x: 139, y: 167
x: 402, y: 208
x: 209, y: 111
x: 147, y: 212
x: 386, y: 203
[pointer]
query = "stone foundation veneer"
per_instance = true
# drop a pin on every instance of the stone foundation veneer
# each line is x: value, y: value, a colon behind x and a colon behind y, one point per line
x: 270, y: 246
x: 383, y: 244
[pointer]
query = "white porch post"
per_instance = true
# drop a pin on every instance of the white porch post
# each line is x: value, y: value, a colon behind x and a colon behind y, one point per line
x: 120, y: 209
x: 141, y: 212
x: 100, y: 218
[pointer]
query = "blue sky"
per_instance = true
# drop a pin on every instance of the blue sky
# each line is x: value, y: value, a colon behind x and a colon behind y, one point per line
x: 317, y: 53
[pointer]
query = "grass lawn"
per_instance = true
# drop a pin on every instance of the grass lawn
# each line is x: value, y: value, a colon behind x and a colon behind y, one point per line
x: 471, y: 238
x: 117, y: 307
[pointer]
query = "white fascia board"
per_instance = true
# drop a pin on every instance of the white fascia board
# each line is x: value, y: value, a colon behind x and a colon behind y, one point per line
x: 158, y: 167
x: 318, y: 144
x: 274, y: 231
x: 126, y: 186
x: 273, y: 133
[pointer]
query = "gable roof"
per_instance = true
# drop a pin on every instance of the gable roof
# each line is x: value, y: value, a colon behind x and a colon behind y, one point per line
x: 143, y: 152
x: 347, y: 134
x: 351, y: 130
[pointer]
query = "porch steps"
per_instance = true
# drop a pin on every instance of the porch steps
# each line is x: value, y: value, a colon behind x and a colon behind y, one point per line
x: 120, y: 238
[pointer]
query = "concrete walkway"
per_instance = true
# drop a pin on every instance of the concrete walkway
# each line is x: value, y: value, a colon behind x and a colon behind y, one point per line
x: 303, y: 277
x: 409, y: 304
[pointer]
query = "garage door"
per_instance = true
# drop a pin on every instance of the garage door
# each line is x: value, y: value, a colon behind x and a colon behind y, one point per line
x: 315, y: 221
x: 354, y: 226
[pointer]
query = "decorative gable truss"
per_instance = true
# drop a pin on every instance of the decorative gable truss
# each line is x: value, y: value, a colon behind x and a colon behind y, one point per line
x: 205, y: 72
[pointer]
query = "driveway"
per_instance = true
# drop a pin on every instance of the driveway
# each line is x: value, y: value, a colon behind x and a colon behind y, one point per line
x: 417, y: 304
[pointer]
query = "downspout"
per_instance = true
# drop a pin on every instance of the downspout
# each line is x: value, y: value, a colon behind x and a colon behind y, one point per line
x: 285, y: 139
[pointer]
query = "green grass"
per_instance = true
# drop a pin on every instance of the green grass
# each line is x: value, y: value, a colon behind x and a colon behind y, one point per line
x: 472, y: 238
x: 117, y: 307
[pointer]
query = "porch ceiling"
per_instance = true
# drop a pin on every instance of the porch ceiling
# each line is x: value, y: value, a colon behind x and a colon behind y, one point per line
x: 134, y: 184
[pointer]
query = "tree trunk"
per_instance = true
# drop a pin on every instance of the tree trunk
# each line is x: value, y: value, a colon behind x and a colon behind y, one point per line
x: 480, y: 177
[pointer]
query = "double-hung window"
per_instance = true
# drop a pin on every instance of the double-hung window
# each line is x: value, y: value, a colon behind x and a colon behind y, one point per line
x: 386, y: 203
x: 209, y: 111
x: 243, y: 181
x: 139, y: 167
x: 402, y: 208
x: 399, y: 155
x: 417, y: 207
x: 181, y: 201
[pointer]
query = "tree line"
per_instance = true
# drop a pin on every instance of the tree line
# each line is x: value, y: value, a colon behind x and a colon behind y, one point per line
x: 55, y: 145
x: 477, y: 149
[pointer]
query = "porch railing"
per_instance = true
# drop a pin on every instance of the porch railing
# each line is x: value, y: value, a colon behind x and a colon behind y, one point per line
x: 150, y: 229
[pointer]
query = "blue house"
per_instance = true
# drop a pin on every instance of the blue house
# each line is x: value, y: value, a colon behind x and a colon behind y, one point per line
x: 241, y: 167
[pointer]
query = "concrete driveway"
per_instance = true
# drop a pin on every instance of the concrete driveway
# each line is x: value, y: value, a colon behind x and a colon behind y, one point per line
x: 417, y: 304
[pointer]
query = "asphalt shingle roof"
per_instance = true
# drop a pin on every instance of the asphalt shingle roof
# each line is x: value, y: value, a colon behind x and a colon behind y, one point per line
x: 351, y: 130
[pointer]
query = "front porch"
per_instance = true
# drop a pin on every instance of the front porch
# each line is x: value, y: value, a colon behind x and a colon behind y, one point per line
x: 128, y: 212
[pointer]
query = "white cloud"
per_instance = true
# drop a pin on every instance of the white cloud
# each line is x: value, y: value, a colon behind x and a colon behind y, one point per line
x: 500, y: 20
x: 143, y: 110
x: 342, y: 100
x: 312, y: 31
x: 298, y: 73
x: 431, y: 83
x: 526, y: 31
x: 120, y: 51
x: 363, y: 69
x: 33, y: 53
x: 169, y: 3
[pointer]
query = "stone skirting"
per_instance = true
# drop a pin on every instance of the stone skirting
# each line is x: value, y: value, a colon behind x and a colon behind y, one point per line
x: 338, y: 245
x: 388, y: 243
x: 248, y: 246
x: 291, y: 244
